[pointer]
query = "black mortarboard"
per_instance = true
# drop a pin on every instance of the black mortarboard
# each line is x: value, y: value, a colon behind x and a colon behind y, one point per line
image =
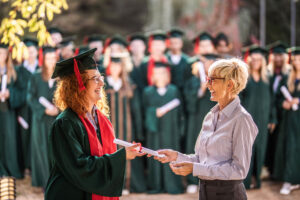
x: 117, y: 39
x: 48, y: 49
x: 203, y: 36
x: 54, y: 30
x: 158, y: 35
x: 277, y: 47
x: 294, y: 50
x: 137, y: 36
x: 115, y: 59
x: 176, y: 32
x: 95, y: 38
x: 162, y: 64
x: 3, y: 46
x: 28, y: 41
x: 221, y: 36
x: 211, y: 56
x: 257, y: 49
x: 67, y: 41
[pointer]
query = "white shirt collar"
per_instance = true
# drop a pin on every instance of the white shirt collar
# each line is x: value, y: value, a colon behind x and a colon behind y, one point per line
x: 162, y: 91
x: 115, y: 84
x: 30, y: 68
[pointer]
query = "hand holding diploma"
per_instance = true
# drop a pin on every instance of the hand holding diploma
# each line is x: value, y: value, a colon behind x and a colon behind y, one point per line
x: 169, y: 155
x: 131, y: 152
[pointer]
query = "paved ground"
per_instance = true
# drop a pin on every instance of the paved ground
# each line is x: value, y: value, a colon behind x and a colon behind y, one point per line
x: 269, y: 191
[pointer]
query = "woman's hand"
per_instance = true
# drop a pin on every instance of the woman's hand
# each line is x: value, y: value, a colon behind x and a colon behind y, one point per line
x: 131, y: 152
x: 170, y: 155
x: 286, y: 105
x: 52, y: 112
x: 5, y: 94
x: 182, y: 169
x: 295, y: 101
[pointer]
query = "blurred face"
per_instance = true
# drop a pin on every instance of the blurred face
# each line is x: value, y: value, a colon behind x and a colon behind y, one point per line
x: 50, y: 60
x: 158, y: 47
x: 3, y: 55
x: 137, y: 47
x: 217, y: 88
x: 296, y: 62
x: 67, y: 51
x: 99, y: 46
x: 222, y: 47
x: 116, y: 48
x: 56, y: 38
x: 32, y: 53
x: 256, y: 61
x: 206, y: 46
x: 94, y: 86
x: 278, y: 60
x: 207, y: 63
x: 115, y: 69
x: 176, y: 44
x: 161, y: 76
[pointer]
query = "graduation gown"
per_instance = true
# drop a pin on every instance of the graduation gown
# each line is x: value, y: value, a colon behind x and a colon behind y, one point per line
x: 162, y: 133
x: 75, y: 173
x: 40, y: 129
x: 9, y: 146
x: 257, y: 99
x: 287, y: 160
x: 100, y: 66
x: 23, y: 110
x: 126, y: 117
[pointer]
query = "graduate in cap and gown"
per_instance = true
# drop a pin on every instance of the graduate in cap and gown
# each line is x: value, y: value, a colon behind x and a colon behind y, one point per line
x: 257, y: 99
x: 67, y: 47
x: 42, y: 86
x: 198, y: 104
x: 97, y: 41
x: 24, y: 72
x: 56, y: 35
x: 164, y: 128
x: 85, y: 163
x: 287, y: 160
x: 9, y: 152
x: 223, y: 46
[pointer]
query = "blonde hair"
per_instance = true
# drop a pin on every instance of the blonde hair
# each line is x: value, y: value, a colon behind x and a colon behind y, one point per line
x: 292, y: 78
x: 232, y: 69
x: 285, y: 68
x: 263, y: 69
x: 11, y: 72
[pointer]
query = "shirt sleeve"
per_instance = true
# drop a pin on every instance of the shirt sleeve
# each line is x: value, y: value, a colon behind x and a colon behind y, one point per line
x: 187, y: 158
x: 237, y: 167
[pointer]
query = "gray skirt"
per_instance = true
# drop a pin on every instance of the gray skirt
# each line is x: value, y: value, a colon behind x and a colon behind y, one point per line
x: 222, y: 190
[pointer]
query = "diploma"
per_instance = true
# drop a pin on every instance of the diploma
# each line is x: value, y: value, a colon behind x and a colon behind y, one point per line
x: 202, y: 74
x: 23, y: 123
x: 46, y: 103
x: 141, y: 149
x: 288, y: 97
x: 3, y: 86
x: 170, y: 106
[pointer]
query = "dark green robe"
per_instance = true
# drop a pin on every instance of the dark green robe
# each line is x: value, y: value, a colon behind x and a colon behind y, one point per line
x: 9, y: 146
x: 126, y: 118
x: 162, y: 133
x: 75, y: 174
x: 287, y: 159
x: 100, y: 66
x: 196, y: 108
x: 40, y: 129
x: 23, y: 110
x: 257, y: 99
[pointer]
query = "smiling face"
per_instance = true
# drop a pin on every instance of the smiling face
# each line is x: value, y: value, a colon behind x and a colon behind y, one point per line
x: 206, y: 47
x: 158, y: 47
x: 137, y: 47
x: 161, y: 77
x: 99, y: 46
x: 217, y: 88
x: 176, y: 44
x: 50, y: 61
x: 256, y: 61
x: 94, y: 85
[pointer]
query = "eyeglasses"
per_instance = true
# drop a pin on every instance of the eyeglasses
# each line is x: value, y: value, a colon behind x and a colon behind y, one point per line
x: 97, y: 79
x: 210, y: 80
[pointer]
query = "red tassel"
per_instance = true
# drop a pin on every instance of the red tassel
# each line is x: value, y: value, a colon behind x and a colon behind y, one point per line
x: 270, y: 53
x: 246, y: 55
x: 10, y: 48
x: 77, y: 74
x: 149, y: 43
x: 290, y: 57
x: 107, y: 71
x: 41, y: 57
x: 168, y: 43
x: 196, y: 46
x: 76, y: 51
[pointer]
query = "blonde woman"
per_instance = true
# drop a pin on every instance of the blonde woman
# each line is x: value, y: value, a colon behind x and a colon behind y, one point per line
x: 224, y: 146
x: 257, y: 100
x: 287, y: 160
x: 84, y: 161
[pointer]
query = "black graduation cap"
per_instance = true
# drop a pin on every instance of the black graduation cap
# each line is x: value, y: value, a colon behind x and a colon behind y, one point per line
x: 95, y: 38
x: 203, y: 36
x: 176, y: 32
x: 294, y: 50
x: 28, y: 41
x: 158, y: 35
x: 137, y: 36
x: 278, y: 47
x: 117, y: 39
x: 54, y: 29
x: 48, y: 49
x: 257, y: 49
x: 67, y: 41
x: 3, y: 46
x: 221, y: 36
x: 211, y: 56
x: 162, y: 64
x: 115, y: 59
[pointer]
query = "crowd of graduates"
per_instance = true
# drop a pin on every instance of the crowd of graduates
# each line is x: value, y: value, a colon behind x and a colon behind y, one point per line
x: 157, y: 96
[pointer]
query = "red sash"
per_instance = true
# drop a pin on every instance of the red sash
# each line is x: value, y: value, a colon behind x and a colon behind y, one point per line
x: 107, y: 138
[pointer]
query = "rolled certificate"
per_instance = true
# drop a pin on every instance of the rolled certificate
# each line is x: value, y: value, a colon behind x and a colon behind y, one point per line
x: 3, y: 86
x: 23, y: 123
x: 141, y: 149
x: 46, y: 103
x: 169, y: 106
x: 201, y: 70
x: 288, y: 97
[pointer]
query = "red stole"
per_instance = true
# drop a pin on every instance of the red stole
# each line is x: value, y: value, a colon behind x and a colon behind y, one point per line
x: 107, y: 138
x: 150, y: 67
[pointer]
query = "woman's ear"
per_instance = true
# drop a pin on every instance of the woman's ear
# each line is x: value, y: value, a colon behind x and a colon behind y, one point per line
x: 230, y: 85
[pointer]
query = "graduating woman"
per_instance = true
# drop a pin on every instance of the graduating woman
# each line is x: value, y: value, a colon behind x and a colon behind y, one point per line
x: 124, y: 102
x: 287, y: 160
x: 41, y: 86
x: 84, y: 161
x: 9, y: 156
x: 257, y: 100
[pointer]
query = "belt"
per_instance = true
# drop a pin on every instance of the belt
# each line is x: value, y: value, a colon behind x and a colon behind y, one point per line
x: 220, y: 182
